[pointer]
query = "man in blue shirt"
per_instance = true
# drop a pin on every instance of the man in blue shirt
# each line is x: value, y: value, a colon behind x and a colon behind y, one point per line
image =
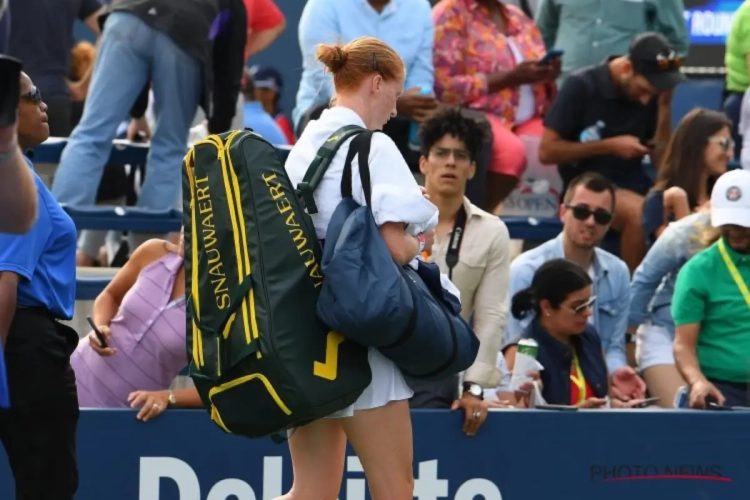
x: 586, y: 213
x: 405, y: 25
x: 37, y: 288
x: 257, y: 118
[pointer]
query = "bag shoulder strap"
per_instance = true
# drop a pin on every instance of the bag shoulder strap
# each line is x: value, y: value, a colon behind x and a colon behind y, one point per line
x: 359, y: 146
x: 319, y: 165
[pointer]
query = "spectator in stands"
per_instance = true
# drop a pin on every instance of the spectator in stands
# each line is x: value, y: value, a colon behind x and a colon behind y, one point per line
x: 41, y: 37
x: 586, y: 213
x: 738, y: 70
x: 744, y: 131
x: 405, y: 25
x: 268, y: 88
x: 37, y: 290
x: 18, y: 207
x: 698, y: 152
x: 486, y: 58
x: 559, y: 303
x: 592, y: 30
x: 711, y: 304
x: 141, y: 314
x: 651, y: 294
x: 471, y: 247
x: 160, y: 41
x: 607, y: 118
x: 256, y: 116
x: 265, y: 23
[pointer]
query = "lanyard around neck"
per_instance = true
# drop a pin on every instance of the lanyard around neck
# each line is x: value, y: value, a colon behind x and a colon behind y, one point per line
x: 732, y: 268
x: 578, y: 379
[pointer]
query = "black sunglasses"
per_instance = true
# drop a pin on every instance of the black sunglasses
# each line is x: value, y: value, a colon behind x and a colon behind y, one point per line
x: 583, y: 213
x: 34, y: 96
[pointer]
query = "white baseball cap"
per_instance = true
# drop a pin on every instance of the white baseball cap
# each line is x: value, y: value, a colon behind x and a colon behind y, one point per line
x: 730, y: 199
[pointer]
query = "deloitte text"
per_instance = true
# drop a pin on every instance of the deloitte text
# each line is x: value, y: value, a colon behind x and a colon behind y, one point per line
x: 427, y: 483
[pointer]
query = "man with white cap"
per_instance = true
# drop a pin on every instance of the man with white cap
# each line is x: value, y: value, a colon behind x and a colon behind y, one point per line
x: 711, y: 303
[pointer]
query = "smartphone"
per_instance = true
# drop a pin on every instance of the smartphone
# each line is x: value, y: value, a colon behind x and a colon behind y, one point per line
x: 716, y: 406
x: 98, y: 334
x: 550, y: 56
x: 556, y: 407
x: 646, y: 402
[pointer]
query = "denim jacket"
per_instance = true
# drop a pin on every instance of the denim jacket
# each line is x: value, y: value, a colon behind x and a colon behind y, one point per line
x: 611, y: 287
x: 653, y: 282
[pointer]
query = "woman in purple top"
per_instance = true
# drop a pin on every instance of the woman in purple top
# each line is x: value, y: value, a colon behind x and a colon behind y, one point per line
x: 141, y: 314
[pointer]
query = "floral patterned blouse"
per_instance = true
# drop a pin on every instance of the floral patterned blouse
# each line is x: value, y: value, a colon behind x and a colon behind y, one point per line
x: 468, y: 47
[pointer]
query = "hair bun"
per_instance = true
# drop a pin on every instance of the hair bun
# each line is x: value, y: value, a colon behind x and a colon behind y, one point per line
x: 332, y: 55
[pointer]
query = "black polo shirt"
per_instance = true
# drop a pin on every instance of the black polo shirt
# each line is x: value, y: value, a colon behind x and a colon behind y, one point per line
x: 589, y: 95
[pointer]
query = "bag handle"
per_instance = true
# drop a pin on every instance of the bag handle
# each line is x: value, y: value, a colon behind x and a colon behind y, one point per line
x: 239, y: 295
x: 320, y: 163
x: 359, y: 146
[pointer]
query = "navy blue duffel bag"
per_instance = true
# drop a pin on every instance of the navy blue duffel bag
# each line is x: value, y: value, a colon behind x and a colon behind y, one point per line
x: 369, y: 299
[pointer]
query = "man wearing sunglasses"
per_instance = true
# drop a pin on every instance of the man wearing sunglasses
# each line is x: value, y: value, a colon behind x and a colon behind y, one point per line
x: 607, y: 118
x: 586, y: 213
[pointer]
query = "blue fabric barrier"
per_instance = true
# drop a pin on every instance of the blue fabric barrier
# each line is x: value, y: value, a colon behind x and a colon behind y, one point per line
x: 126, y: 219
x: 517, y: 455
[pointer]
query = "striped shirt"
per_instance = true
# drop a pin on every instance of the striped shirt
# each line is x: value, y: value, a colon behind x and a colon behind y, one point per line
x: 149, y: 335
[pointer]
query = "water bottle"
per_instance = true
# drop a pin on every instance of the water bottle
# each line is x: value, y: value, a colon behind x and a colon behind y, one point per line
x: 414, y: 133
x: 593, y: 133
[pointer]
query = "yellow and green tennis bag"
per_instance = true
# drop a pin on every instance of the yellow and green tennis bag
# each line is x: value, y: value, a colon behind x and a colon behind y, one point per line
x: 260, y: 358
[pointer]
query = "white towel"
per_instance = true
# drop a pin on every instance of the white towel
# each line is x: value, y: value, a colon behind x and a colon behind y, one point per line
x: 404, y: 204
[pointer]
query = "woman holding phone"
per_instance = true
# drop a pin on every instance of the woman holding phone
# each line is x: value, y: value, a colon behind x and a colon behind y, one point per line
x: 488, y: 57
x: 141, y: 315
x: 560, y: 300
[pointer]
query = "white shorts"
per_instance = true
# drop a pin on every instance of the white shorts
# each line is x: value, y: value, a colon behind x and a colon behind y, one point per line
x: 653, y: 346
x: 387, y: 385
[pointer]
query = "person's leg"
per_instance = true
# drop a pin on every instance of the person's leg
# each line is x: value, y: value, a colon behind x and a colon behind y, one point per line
x: 663, y: 381
x: 90, y: 243
x: 39, y: 430
x: 120, y: 72
x: 627, y: 221
x: 177, y: 85
x: 317, y: 451
x: 508, y: 163
x: 382, y: 439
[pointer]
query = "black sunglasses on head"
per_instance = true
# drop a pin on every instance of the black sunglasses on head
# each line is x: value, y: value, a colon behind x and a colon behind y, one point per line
x: 581, y: 212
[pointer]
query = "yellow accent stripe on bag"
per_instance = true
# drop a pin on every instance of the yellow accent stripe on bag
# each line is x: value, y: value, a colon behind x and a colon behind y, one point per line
x: 216, y: 416
x: 232, y: 208
x: 243, y: 236
x: 198, y: 359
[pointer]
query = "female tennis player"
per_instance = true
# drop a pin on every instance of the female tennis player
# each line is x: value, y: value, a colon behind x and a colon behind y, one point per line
x: 368, y: 77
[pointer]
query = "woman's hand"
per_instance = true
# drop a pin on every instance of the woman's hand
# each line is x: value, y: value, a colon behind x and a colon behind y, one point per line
x: 152, y: 403
x: 524, y: 393
x: 528, y: 72
x: 592, y: 403
x: 96, y: 346
x: 627, y: 385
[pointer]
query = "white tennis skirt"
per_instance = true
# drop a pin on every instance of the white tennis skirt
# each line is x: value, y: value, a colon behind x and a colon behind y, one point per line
x: 387, y: 385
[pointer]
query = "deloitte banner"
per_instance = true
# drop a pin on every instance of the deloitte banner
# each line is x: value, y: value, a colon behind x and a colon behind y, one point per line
x: 517, y: 456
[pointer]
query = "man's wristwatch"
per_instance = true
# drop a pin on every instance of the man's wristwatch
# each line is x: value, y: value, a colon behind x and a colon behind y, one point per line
x: 474, y: 389
x: 172, y: 399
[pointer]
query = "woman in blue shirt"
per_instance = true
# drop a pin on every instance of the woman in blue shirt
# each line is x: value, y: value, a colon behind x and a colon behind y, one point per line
x: 698, y: 152
x: 37, y: 289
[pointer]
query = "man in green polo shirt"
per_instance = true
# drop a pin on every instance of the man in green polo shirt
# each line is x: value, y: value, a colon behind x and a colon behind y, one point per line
x: 711, y: 303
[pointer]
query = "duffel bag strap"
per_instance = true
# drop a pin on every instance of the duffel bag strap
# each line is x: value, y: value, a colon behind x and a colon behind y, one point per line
x: 319, y: 165
x: 359, y: 146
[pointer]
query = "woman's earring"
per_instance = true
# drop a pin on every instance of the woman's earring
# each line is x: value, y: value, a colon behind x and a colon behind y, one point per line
x: 546, y: 314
